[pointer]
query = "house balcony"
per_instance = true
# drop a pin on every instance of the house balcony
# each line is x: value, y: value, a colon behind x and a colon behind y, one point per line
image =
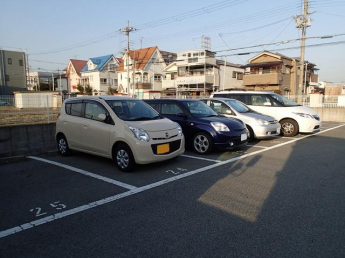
x: 166, y: 84
x: 262, y: 79
x: 143, y: 85
x: 200, y: 79
x: 191, y: 61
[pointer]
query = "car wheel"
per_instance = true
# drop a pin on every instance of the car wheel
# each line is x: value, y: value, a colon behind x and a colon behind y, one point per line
x: 202, y: 143
x: 124, y: 158
x: 63, y: 148
x: 289, y: 127
x: 251, y: 135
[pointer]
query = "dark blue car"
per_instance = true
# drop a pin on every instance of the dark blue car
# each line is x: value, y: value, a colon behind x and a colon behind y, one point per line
x: 203, y: 128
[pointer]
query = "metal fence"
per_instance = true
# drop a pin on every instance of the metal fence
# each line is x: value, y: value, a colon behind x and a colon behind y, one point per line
x: 44, y: 108
x: 16, y: 110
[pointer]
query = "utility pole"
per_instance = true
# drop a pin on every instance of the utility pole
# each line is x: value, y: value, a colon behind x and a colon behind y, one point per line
x: 302, y: 22
x: 224, y: 74
x: 126, y: 31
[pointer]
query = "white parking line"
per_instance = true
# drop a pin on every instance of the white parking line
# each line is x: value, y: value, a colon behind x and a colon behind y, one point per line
x: 86, y: 173
x: 140, y: 189
x: 193, y: 157
x: 257, y: 146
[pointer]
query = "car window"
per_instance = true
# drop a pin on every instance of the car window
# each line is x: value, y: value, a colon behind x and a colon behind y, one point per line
x: 220, y: 107
x: 93, y: 109
x: 133, y: 110
x: 171, y: 109
x: 240, y: 97
x: 238, y: 106
x: 260, y: 100
x: 199, y: 109
x: 74, y: 109
x: 155, y: 106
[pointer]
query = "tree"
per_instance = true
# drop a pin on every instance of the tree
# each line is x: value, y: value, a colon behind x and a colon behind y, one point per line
x: 80, y: 88
x: 88, y: 89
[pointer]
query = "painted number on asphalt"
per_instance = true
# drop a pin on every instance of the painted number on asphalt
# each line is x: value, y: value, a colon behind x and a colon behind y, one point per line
x: 57, y: 205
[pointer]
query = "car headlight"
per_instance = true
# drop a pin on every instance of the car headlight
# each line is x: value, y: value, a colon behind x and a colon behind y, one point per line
x: 303, y: 115
x: 261, y: 121
x: 220, y: 127
x: 140, y: 134
x: 179, y: 129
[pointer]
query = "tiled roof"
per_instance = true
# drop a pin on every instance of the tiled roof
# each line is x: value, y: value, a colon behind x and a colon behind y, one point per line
x: 78, y: 64
x: 142, y: 57
x: 99, y: 61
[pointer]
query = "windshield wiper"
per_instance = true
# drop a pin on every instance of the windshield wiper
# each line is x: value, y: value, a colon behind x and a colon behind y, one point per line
x: 142, y: 118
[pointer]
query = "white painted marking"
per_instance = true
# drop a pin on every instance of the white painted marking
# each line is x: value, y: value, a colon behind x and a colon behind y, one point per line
x: 257, y: 146
x: 60, y: 215
x: 86, y: 173
x: 193, y: 157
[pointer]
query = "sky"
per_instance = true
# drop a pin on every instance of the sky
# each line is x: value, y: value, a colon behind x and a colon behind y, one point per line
x: 52, y: 32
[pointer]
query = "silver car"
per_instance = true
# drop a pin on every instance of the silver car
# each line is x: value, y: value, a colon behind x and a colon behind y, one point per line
x: 259, y: 126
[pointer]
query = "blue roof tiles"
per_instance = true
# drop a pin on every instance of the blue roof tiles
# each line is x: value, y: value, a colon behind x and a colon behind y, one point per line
x: 99, y: 61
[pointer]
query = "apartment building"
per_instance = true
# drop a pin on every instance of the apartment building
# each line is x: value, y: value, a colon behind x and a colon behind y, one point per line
x: 12, y: 72
x: 199, y: 73
x: 278, y: 73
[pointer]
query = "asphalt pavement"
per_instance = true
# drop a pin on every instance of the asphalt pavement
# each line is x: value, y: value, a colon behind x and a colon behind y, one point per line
x: 282, y: 197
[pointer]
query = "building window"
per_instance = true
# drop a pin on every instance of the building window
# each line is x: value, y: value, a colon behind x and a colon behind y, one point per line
x: 181, y: 71
x: 103, y: 81
x: 195, y: 54
x: 116, y: 83
x: 9, y: 61
x: 189, y: 54
x: 237, y: 75
x: 193, y: 60
x: 7, y: 78
x: 21, y: 63
x: 158, y: 77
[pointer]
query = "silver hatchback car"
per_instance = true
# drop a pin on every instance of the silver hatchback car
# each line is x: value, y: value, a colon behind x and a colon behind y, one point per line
x: 259, y: 126
x: 125, y: 129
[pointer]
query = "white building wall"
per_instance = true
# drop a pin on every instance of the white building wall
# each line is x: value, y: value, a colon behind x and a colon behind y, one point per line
x: 229, y: 81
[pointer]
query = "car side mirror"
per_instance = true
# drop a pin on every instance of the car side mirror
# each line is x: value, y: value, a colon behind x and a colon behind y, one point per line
x: 102, y: 117
x: 229, y: 112
x: 181, y: 115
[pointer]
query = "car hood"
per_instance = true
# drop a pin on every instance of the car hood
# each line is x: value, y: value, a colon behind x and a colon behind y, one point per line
x: 302, y: 109
x: 153, y: 125
x: 258, y: 116
x: 230, y: 122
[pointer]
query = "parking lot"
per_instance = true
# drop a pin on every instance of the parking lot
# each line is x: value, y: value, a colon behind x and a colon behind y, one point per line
x: 49, y: 188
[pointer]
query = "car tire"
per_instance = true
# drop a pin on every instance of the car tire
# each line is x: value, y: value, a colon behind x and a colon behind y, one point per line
x: 62, y: 145
x: 251, y: 134
x: 124, y: 158
x: 289, y: 127
x: 202, y: 143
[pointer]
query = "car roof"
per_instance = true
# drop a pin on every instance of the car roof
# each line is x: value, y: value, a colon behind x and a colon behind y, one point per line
x: 218, y: 98
x: 171, y: 100
x: 105, y: 97
x: 245, y: 92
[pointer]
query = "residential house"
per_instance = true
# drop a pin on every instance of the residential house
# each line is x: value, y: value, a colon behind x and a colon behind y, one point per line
x: 100, y: 73
x: 199, y: 73
x: 43, y: 81
x: 278, y: 73
x: 12, y: 72
x: 73, y: 74
x: 143, y: 71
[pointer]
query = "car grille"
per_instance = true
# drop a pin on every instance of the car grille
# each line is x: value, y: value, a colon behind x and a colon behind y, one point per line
x: 158, y: 139
x: 173, y: 146
x: 316, y: 117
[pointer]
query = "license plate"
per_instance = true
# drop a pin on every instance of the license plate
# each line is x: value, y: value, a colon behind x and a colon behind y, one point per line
x: 243, y: 137
x: 163, y: 148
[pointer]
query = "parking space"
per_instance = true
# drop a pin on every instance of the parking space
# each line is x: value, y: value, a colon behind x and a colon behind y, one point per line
x: 46, y: 185
x: 31, y: 190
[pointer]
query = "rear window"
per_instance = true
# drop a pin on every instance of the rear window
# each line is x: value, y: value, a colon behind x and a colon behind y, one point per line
x: 74, y: 109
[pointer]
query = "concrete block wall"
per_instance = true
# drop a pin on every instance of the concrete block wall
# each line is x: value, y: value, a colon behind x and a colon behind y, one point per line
x: 27, y: 140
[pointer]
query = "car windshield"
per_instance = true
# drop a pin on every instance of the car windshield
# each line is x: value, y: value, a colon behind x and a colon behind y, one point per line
x: 238, y: 106
x: 133, y: 110
x: 284, y: 101
x: 199, y: 109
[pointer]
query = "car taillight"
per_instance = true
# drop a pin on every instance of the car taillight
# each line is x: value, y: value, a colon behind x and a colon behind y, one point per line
x: 57, y: 115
